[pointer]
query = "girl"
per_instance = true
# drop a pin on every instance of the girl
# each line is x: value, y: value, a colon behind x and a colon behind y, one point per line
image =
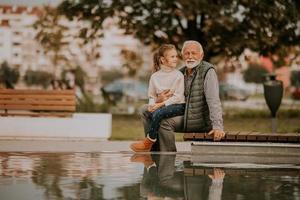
x: 165, y: 78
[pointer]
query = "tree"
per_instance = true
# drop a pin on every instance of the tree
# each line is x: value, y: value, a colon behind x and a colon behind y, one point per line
x: 59, y: 41
x: 255, y: 74
x: 222, y: 27
x: 8, y: 76
x: 110, y: 75
x: 51, y: 35
x: 295, y: 78
x: 132, y: 62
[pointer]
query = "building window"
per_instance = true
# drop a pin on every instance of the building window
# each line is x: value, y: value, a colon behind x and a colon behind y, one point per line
x: 17, y: 33
x: 5, y: 22
x: 16, y: 43
x: 29, y: 9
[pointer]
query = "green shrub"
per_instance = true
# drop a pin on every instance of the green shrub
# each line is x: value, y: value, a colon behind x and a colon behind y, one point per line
x: 295, y: 78
x: 296, y: 130
x: 110, y: 75
x: 86, y: 104
x: 255, y: 74
x: 38, y: 78
x: 8, y: 76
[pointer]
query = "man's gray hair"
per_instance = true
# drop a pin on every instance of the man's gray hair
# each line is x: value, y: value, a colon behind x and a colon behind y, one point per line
x: 191, y: 42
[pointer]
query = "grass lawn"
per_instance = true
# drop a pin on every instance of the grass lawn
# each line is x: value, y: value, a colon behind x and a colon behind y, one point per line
x: 127, y: 127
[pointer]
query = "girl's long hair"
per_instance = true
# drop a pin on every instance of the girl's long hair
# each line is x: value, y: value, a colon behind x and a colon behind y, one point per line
x: 160, y: 53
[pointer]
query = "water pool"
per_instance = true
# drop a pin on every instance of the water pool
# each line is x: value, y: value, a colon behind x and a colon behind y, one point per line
x: 31, y: 176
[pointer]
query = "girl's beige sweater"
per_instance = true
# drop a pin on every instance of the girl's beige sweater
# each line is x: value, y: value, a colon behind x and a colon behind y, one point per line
x: 167, y: 79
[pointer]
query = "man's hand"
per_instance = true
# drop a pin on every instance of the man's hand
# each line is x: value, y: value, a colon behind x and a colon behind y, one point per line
x: 154, y: 107
x: 165, y: 95
x: 219, y: 174
x: 218, y: 134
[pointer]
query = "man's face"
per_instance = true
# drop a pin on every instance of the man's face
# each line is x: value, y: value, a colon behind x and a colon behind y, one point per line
x: 192, y: 54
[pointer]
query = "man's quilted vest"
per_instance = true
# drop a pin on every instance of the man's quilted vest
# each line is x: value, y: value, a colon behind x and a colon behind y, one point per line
x: 196, y: 117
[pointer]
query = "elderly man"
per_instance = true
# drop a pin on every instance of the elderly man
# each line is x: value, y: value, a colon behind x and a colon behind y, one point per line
x: 203, y: 111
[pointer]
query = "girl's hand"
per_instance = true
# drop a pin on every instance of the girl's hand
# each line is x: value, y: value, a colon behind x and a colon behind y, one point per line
x: 150, y: 108
x: 156, y: 106
x: 165, y: 95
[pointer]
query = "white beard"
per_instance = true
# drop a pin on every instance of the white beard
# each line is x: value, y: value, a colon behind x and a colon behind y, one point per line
x: 192, y: 65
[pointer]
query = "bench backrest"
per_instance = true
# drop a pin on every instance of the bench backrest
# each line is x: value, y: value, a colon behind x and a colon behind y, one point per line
x: 58, y: 101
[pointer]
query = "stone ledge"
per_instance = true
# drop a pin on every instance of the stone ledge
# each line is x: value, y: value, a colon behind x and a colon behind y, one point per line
x: 245, y: 148
x: 81, y: 125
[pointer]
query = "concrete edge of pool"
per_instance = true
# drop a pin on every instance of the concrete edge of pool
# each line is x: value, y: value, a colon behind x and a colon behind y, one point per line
x: 200, y: 152
x: 55, y: 145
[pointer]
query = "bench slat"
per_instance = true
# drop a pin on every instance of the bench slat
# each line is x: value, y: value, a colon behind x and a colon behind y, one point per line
x: 188, y: 136
x: 37, y: 96
x: 293, y: 137
x: 37, y: 102
x: 40, y: 92
x: 208, y: 137
x: 262, y: 137
x: 252, y: 137
x: 272, y: 138
x: 38, y: 107
x: 199, y: 136
x: 39, y: 114
x: 231, y: 136
x: 242, y: 136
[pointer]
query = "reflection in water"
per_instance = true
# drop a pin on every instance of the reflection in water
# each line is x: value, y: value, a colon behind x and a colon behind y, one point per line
x: 66, y: 176
x: 141, y: 176
x: 161, y: 179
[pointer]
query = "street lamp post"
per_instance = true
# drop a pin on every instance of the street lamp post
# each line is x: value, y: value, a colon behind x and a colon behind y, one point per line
x: 273, y: 92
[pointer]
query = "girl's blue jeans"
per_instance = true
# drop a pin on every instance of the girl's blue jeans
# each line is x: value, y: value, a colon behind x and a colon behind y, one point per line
x: 163, y: 113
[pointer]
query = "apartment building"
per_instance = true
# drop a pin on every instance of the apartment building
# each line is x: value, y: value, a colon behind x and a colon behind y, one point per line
x: 20, y: 49
x: 17, y: 44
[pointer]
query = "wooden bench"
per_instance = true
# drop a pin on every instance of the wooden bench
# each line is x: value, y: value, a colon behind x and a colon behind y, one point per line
x: 35, y: 103
x: 247, y: 137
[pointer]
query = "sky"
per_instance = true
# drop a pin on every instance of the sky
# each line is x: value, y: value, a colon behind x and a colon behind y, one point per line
x: 29, y: 2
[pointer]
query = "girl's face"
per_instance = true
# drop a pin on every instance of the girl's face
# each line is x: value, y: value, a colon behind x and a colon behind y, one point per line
x: 170, y: 58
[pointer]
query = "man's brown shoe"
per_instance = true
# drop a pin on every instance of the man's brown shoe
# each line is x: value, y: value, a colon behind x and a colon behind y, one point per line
x: 142, y: 146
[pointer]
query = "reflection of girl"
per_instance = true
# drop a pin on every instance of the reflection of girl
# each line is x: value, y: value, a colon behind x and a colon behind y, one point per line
x: 165, y: 78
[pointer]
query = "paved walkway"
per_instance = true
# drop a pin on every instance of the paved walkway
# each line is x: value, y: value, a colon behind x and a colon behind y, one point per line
x: 9, y: 145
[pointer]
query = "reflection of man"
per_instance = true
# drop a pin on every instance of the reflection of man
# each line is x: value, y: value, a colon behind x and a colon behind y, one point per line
x: 215, y: 190
x: 161, y: 180
x: 205, y: 187
x: 203, y: 111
